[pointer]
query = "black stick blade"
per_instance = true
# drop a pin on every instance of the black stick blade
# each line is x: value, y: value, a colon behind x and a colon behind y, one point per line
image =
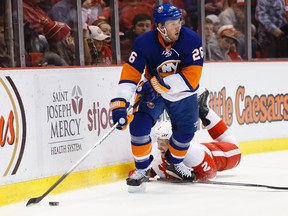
x: 34, y: 200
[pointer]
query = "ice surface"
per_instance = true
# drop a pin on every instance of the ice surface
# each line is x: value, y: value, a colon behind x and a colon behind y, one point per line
x: 167, y: 199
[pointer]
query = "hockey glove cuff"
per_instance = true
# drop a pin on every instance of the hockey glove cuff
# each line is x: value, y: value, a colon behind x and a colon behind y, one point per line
x: 152, y: 89
x: 119, y: 106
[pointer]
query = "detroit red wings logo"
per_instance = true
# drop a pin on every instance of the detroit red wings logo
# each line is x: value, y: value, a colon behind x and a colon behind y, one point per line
x: 77, y: 100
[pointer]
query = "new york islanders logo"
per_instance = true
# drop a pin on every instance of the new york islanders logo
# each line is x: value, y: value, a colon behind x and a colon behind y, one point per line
x: 168, y: 67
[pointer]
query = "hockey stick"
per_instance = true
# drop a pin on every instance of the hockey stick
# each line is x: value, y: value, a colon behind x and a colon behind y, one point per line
x: 223, y: 183
x: 242, y: 184
x: 38, y: 199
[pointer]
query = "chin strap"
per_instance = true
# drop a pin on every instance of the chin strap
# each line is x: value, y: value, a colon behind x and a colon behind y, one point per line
x: 165, y: 35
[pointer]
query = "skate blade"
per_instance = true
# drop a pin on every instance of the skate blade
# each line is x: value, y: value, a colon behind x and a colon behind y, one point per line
x: 137, y: 189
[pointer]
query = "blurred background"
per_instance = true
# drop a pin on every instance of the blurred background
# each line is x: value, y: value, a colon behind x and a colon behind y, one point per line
x: 37, y: 33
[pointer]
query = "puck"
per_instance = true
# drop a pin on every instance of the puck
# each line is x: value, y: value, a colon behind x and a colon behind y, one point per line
x: 53, y: 203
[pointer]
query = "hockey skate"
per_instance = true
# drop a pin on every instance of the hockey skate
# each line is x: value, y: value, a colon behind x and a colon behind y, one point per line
x: 137, y: 181
x: 203, y: 107
x: 180, y: 171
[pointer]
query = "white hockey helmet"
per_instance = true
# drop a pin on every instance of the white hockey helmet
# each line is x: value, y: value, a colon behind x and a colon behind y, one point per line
x: 164, y: 130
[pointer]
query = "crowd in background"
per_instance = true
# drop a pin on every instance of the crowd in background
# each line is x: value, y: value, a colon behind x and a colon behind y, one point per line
x: 49, y: 28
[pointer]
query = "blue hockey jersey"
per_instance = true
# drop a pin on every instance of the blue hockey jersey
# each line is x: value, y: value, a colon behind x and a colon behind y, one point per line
x: 179, y: 64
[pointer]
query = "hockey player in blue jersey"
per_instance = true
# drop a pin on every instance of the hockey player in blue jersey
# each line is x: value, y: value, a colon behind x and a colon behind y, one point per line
x: 171, y: 56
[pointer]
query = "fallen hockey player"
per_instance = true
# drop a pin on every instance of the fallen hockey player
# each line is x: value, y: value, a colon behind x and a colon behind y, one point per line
x: 205, y: 159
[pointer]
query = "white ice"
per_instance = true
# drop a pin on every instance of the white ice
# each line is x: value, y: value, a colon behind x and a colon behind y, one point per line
x: 167, y: 199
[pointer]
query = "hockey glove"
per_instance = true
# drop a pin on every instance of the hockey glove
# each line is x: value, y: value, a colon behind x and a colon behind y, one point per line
x: 119, y: 106
x: 152, y: 89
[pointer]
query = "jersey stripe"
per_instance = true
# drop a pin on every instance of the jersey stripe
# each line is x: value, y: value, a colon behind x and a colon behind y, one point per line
x: 226, y: 154
x: 192, y: 74
x: 217, y: 130
x: 177, y: 153
x: 142, y: 151
x: 129, y: 73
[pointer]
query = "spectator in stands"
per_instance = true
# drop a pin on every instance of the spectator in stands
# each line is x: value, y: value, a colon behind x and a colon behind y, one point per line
x: 35, y: 43
x: 233, y: 53
x: 94, y: 46
x: 215, y: 21
x: 210, y: 37
x: 60, y: 40
x: 105, y: 27
x: 91, y: 10
x: 234, y: 15
x: 129, y: 10
x: 46, y: 5
x: 86, y: 12
x: 225, y: 48
x: 273, y: 28
x: 141, y: 24
x: 211, y: 7
x: 64, y: 11
x: 214, y: 6
x: 32, y: 14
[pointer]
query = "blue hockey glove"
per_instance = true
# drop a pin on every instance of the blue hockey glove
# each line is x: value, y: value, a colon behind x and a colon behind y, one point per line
x: 152, y: 89
x: 119, y: 106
